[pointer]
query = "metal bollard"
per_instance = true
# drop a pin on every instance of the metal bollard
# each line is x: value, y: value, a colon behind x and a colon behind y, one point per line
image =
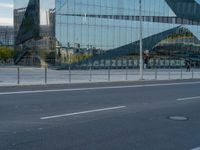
x: 69, y: 75
x: 45, y: 75
x: 192, y: 74
x: 108, y: 73
x: 181, y: 73
x: 90, y: 74
x: 169, y: 74
x: 126, y: 73
x: 156, y: 74
x: 18, y: 75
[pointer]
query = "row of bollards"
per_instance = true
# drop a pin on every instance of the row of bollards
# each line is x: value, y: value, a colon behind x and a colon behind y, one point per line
x: 108, y: 74
x: 19, y: 74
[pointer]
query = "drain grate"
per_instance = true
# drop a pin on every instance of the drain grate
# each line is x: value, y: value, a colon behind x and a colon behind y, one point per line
x: 178, y: 118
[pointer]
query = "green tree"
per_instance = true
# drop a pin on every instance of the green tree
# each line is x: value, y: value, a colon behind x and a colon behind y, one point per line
x: 6, y: 53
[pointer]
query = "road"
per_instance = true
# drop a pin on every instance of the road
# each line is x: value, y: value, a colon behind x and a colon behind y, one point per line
x: 101, y: 116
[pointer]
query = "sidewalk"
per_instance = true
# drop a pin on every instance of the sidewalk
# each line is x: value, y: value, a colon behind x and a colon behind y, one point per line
x: 36, y: 76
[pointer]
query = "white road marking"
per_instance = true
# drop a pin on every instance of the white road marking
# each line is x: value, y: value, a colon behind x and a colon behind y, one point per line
x: 198, y: 148
x: 97, y: 88
x: 82, y: 112
x: 188, y: 98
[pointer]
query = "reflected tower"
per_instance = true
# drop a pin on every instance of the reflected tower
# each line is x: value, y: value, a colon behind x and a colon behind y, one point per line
x: 34, y: 38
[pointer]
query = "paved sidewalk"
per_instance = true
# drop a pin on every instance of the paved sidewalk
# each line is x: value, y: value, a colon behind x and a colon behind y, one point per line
x: 35, y: 76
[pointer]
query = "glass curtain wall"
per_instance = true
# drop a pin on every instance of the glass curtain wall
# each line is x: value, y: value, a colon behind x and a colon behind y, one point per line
x: 34, y: 23
x: 6, y: 36
x: 110, y: 29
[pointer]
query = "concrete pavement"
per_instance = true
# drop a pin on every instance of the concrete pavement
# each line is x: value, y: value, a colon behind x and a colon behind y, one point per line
x: 36, y: 76
x: 101, y: 116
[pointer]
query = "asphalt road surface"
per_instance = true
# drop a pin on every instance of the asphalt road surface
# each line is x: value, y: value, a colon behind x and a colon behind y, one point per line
x: 162, y: 115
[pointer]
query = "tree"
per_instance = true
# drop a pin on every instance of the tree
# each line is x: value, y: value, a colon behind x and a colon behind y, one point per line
x: 6, y: 53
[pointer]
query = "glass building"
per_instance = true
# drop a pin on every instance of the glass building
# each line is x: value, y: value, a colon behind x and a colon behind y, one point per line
x: 6, y: 36
x: 34, y: 30
x: 106, y: 32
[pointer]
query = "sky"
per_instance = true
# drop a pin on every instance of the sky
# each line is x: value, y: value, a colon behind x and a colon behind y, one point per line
x: 6, y: 12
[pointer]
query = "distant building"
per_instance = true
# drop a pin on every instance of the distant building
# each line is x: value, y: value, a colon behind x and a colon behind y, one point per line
x: 6, y: 40
x: 6, y: 36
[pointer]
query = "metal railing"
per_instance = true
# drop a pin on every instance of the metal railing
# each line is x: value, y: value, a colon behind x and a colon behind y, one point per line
x: 31, y: 76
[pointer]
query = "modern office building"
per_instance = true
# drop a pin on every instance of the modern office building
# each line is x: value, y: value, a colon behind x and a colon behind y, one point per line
x: 6, y: 36
x: 170, y: 28
x: 108, y: 31
x: 34, y: 28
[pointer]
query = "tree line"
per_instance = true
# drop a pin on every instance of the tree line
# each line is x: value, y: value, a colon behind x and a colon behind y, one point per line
x: 6, y: 53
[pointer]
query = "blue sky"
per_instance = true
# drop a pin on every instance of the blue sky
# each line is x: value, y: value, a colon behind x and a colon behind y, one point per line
x: 6, y: 12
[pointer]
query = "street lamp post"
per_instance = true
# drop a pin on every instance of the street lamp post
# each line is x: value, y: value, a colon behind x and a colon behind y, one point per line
x: 141, y: 49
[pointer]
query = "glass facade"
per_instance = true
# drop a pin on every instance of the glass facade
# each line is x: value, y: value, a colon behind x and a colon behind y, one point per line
x: 6, y: 36
x: 107, y: 31
x: 34, y: 13
x: 34, y: 28
x: 101, y: 30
